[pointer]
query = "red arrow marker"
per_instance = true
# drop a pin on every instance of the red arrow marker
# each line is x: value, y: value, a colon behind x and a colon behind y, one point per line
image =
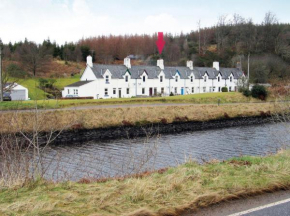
x: 160, y: 42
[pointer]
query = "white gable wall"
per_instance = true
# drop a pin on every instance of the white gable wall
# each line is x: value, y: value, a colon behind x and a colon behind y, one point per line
x: 88, y: 74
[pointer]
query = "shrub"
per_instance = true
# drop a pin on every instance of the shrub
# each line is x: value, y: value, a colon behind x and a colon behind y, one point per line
x: 171, y: 94
x: 246, y: 92
x: 260, y: 92
x: 225, y: 89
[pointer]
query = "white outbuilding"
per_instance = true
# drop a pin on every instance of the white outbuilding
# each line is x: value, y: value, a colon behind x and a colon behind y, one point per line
x: 17, y: 92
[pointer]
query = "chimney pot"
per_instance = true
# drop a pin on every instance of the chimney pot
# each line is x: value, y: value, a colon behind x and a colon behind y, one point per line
x: 127, y: 62
x: 189, y: 64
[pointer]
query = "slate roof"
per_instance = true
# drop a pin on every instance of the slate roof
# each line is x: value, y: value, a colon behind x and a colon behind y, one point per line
x: 118, y: 71
x: 79, y: 83
x: 226, y: 72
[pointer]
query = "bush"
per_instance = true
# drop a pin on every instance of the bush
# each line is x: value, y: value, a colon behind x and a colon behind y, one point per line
x: 171, y: 94
x: 225, y: 89
x: 260, y: 92
x: 246, y: 92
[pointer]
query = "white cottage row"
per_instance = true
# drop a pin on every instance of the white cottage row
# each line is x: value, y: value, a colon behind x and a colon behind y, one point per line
x: 113, y: 81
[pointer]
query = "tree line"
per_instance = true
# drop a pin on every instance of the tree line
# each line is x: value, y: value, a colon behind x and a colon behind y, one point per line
x: 229, y: 41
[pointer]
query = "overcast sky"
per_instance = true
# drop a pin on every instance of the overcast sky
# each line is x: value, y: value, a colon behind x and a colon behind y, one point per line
x: 71, y: 20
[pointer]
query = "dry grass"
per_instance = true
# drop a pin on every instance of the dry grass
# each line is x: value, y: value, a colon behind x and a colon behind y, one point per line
x: 189, y: 186
x: 107, y: 117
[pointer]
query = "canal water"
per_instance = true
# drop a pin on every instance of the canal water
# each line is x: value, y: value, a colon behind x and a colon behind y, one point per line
x: 127, y: 156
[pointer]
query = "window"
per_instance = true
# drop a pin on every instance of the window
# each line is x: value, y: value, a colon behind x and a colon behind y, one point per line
x: 162, y: 90
x: 210, y: 89
x: 213, y: 89
x: 114, y: 91
x: 143, y: 90
x: 128, y: 91
x: 192, y: 90
x: 161, y: 78
x: 219, y: 89
x: 191, y: 79
x: 175, y: 90
x: 107, y: 79
x: 231, y: 79
x: 126, y: 78
x: 106, y: 92
x: 144, y: 78
x: 230, y: 88
x: 219, y: 79
x: 76, y: 92
x: 176, y: 79
x: 68, y: 91
x: 204, y: 89
x: 204, y: 78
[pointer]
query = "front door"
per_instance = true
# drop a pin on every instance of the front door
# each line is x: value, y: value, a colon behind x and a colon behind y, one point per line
x: 155, y: 91
x: 120, y: 93
x: 150, y: 91
x: 182, y: 91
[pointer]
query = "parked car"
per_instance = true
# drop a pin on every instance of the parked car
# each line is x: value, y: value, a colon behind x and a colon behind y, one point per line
x: 71, y: 96
x: 6, y: 96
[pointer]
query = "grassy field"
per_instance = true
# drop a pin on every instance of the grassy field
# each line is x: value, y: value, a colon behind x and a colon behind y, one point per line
x: 107, y: 117
x: 167, y: 192
x: 35, y: 93
x: 228, y: 97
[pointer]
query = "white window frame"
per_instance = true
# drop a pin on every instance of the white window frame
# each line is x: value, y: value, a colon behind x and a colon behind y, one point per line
x: 175, y: 90
x: 204, y: 79
x: 230, y: 88
x: 204, y: 89
x: 144, y: 79
x: 126, y: 78
x: 219, y: 79
x: 67, y: 91
x: 114, y: 91
x: 162, y: 90
x: 192, y: 89
x: 161, y: 78
x: 143, y: 90
x: 191, y: 79
x: 176, y: 78
x: 231, y: 79
x: 106, y: 92
x: 128, y: 90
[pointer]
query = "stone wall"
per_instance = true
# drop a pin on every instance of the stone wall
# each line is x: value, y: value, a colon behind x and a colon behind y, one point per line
x: 83, y: 135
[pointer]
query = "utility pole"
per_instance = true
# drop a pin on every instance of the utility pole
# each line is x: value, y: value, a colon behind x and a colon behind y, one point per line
x: 1, y: 82
x: 249, y: 70
x: 198, y: 23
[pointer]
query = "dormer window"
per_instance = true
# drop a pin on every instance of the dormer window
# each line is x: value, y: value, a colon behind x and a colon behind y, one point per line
x: 231, y: 79
x: 126, y: 78
x: 176, y: 79
x: 107, y: 79
x: 219, y: 79
x: 204, y: 79
x: 191, y: 79
x: 161, y: 78
x: 144, y: 78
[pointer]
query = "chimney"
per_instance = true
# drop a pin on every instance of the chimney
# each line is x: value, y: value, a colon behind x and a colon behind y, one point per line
x: 160, y: 64
x: 189, y: 64
x: 127, y: 62
x: 90, y: 61
x: 239, y: 65
x: 216, y: 65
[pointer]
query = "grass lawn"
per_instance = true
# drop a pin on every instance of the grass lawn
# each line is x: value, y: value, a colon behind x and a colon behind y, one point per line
x: 35, y: 93
x: 228, y: 97
x: 167, y: 192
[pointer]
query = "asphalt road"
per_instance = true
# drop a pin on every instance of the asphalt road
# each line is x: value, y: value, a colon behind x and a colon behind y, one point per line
x: 270, y: 204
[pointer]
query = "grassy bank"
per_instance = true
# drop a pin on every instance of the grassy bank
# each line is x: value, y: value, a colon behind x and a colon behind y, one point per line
x: 108, y: 117
x: 167, y: 192
x: 228, y: 97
